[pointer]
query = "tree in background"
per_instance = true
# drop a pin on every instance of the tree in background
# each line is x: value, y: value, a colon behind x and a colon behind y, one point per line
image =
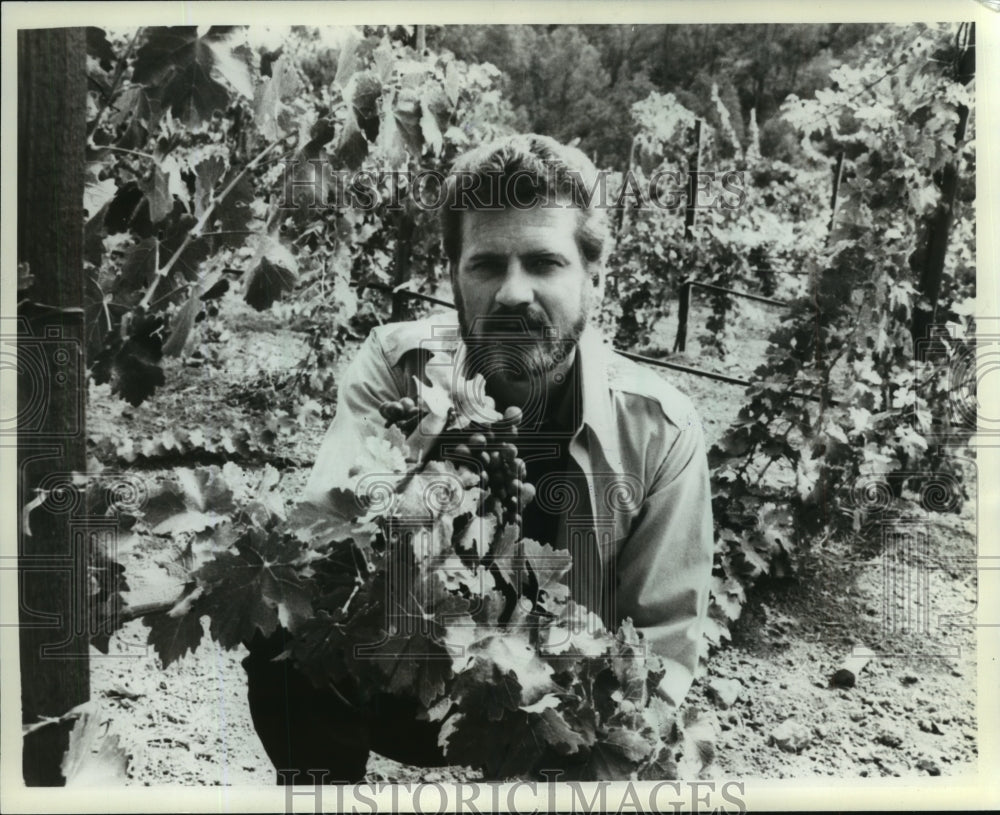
x: 580, y: 81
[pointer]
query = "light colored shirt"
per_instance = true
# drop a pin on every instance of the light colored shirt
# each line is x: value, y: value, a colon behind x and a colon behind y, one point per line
x: 644, y: 495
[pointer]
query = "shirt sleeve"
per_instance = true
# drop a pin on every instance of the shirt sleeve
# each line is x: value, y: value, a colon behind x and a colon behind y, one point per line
x: 665, y: 567
x: 368, y: 381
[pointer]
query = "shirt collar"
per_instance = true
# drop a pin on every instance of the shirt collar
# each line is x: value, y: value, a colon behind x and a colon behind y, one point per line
x: 595, y: 359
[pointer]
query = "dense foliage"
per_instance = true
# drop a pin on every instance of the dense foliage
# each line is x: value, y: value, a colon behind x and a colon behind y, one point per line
x: 413, y: 578
x: 213, y: 162
x: 887, y: 411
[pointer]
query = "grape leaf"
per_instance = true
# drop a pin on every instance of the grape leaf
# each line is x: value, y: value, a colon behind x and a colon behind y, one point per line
x: 406, y: 113
x: 347, y: 60
x: 90, y: 759
x: 181, y: 325
x: 614, y: 756
x: 321, y: 649
x: 99, y: 48
x: 194, y: 500
x: 189, y: 261
x: 179, y: 64
x: 139, y: 266
x: 172, y: 636
x: 697, y: 739
x: 390, y: 144
x: 273, y: 273
x: 429, y: 126
x: 329, y: 519
x: 548, y: 565
x: 230, y: 67
x: 128, y: 210
x: 132, y: 365
x: 320, y: 134
x: 516, y: 746
x: 207, y: 174
x: 232, y: 214
x: 512, y: 653
x: 477, y: 535
x: 133, y: 115
x: 415, y: 665
x: 551, y: 727
x: 579, y: 632
x: 467, y: 396
x: 157, y: 191
x: 94, y: 233
x: 457, y: 577
x: 97, y: 194
x: 661, y: 767
x: 254, y: 589
x: 511, y: 751
x: 629, y: 665
x: 508, y: 557
x: 270, y: 112
x: 207, y: 489
x: 488, y: 690
x: 351, y: 147
x: 452, y: 83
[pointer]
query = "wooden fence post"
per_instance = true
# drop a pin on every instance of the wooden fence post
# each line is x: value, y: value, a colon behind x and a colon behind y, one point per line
x: 692, y: 186
x: 838, y: 172
x: 51, y: 432
x: 405, y: 226
x: 928, y: 261
x: 684, y: 304
x: 684, y: 298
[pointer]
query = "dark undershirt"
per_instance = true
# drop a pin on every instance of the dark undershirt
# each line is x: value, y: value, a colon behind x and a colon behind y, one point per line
x: 556, y: 429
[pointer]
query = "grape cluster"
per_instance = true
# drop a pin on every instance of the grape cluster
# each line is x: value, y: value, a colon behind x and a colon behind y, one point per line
x: 489, y: 449
x: 403, y: 413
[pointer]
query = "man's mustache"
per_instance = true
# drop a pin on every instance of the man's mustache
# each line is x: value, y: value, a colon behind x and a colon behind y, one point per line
x: 510, y: 321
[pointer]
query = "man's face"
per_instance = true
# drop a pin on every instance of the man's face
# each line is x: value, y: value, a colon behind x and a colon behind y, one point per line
x: 520, y: 276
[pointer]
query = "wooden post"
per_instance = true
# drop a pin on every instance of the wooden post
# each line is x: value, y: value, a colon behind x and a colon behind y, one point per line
x: 51, y: 432
x: 684, y: 300
x: 684, y: 304
x: 838, y: 172
x: 692, y: 185
x: 405, y: 226
x: 628, y: 169
x: 928, y: 262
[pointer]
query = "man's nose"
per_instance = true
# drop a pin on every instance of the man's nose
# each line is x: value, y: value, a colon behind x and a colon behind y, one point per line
x: 516, y: 288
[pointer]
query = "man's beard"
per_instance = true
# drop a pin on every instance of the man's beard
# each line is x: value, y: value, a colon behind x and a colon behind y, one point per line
x: 519, y: 344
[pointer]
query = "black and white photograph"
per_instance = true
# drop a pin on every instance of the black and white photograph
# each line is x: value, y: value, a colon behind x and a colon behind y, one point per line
x: 534, y: 411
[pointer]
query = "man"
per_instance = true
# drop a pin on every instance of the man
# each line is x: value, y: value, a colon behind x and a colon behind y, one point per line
x: 615, y: 452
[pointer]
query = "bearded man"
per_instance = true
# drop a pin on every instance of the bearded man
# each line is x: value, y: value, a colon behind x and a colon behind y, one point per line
x: 615, y: 452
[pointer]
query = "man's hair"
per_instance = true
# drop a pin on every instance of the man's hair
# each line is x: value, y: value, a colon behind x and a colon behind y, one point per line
x: 516, y: 170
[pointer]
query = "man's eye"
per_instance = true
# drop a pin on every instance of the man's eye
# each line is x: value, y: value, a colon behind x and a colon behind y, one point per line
x: 543, y: 264
x: 486, y: 267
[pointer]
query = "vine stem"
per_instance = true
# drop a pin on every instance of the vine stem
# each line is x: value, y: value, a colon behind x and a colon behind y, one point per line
x: 196, y: 231
x: 115, y: 84
x: 137, y: 153
x: 129, y: 613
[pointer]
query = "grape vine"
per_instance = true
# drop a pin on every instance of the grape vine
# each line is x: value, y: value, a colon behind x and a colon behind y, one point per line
x: 414, y: 579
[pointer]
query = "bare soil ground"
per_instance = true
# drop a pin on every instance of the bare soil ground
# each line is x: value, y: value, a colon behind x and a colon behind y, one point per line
x: 911, y: 711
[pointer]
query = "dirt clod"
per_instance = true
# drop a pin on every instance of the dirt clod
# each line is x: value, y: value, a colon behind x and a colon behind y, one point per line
x: 724, y: 692
x: 791, y: 736
x: 890, y: 739
x: 843, y: 678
